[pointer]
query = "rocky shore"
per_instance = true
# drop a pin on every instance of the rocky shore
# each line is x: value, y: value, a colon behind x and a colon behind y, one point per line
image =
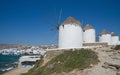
x: 22, y: 69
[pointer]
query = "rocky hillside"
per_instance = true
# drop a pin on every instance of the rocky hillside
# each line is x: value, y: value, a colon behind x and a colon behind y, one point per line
x: 77, y: 63
x: 109, y: 64
x: 7, y: 46
x: 64, y: 62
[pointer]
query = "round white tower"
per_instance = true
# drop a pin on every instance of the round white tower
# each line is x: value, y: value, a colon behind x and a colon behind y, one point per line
x: 89, y: 34
x: 70, y: 34
x: 105, y: 36
x: 114, y: 39
x: 119, y: 42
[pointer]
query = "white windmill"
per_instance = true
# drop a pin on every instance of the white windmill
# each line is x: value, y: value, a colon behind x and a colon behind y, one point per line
x: 89, y: 34
x: 105, y: 37
x: 114, y: 39
x: 70, y: 34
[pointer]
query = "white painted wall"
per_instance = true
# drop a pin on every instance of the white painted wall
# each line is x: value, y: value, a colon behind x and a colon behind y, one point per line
x: 89, y: 36
x: 70, y: 36
x: 115, y: 40
x: 105, y: 38
x: 119, y: 43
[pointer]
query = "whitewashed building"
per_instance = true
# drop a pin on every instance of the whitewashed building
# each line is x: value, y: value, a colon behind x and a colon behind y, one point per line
x: 105, y: 37
x: 70, y: 34
x: 114, y: 39
x: 89, y: 34
x: 119, y: 41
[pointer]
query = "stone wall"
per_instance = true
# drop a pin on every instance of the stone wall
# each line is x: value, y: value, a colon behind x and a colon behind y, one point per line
x: 95, y: 44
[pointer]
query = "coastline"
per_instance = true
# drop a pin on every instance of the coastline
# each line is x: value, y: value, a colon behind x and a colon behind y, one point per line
x: 18, y: 71
x: 22, y: 68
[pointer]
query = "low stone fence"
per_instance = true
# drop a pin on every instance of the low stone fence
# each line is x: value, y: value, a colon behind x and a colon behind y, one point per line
x: 95, y: 44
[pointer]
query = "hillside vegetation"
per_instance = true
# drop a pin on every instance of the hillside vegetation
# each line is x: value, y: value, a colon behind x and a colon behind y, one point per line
x: 65, y: 62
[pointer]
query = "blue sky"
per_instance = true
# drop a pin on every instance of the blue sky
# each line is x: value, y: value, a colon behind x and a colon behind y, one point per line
x: 28, y: 21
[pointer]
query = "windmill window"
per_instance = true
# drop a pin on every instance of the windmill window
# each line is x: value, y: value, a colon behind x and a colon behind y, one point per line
x: 63, y: 26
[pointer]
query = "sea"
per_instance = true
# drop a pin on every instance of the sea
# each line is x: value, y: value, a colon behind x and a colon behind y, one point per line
x: 8, y: 62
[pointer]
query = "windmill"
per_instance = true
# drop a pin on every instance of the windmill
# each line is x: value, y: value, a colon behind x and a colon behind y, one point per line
x: 55, y: 25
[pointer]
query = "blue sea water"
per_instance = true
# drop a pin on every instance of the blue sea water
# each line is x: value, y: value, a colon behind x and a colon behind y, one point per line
x: 8, y: 61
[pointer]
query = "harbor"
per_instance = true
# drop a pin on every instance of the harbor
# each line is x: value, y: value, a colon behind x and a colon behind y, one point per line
x: 25, y: 63
x: 20, y: 59
x: 21, y: 65
x: 23, y: 51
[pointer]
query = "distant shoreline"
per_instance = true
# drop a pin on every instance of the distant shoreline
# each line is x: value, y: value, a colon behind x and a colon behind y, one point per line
x: 22, y: 68
x: 8, y: 63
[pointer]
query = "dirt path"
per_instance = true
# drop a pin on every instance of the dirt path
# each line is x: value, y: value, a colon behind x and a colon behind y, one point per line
x: 105, y: 55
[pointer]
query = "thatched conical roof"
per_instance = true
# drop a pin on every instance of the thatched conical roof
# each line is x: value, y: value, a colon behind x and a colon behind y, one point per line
x: 88, y: 26
x: 71, y: 20
x: 113, y: 34
x: 104, y: 32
